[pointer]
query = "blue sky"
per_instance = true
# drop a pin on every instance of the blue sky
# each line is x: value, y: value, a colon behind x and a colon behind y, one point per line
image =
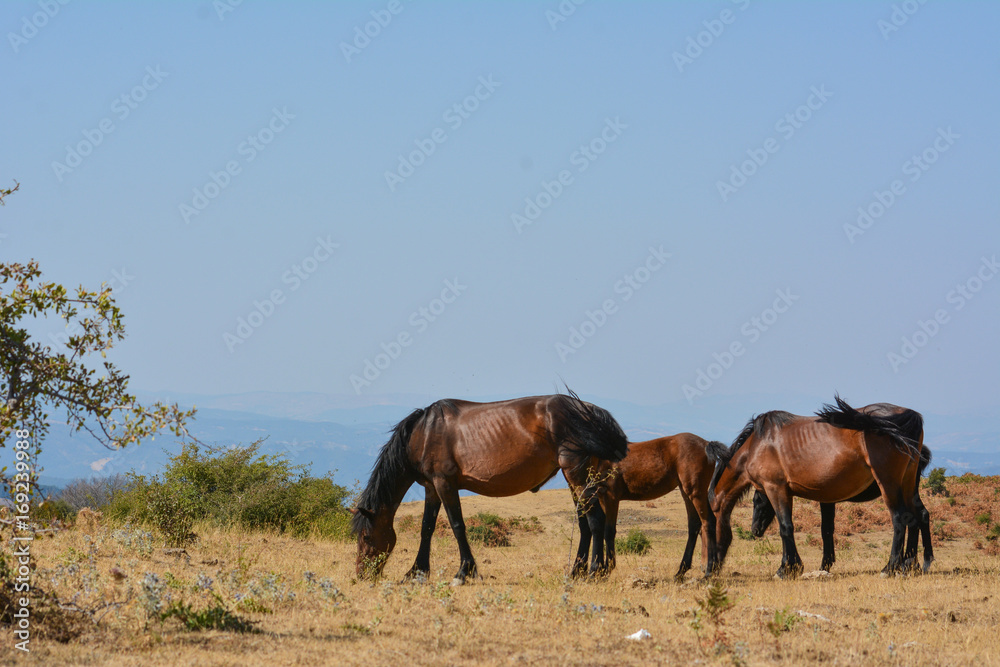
x: 693, y: 165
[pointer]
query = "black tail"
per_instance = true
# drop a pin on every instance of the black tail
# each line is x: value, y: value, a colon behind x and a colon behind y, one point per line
x: 390, y: 467
x: 925, y: 460
x: 844, y: 416
x: 591, y: 430
x: 909, y: 422
x: 717, y: 450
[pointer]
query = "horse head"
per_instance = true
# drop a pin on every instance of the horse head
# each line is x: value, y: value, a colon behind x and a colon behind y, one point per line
x: 763, y: 514
x: 376, y: 540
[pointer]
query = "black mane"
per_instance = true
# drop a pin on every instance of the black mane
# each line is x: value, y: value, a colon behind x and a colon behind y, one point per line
x: 760, y: 426
x: 844, y: 416
x: 391, y: 465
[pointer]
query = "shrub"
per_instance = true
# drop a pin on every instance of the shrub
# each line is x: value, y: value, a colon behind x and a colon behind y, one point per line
x: 635, y: 542
x: 784, y: 620
x: 488, y: 529
x: 935, y: 482
x: 213, y: 617
x: 51, y: 510
x: 233, y: 487
x: 172, y: 514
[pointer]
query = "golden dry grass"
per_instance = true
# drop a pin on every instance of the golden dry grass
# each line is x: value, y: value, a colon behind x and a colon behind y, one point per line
x: 524, y: 610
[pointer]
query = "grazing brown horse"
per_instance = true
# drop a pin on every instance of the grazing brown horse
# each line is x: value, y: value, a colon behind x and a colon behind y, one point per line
x: 652, y: 469
x: 829, y: 458
x: 493, y: 449
x: 910, y: 423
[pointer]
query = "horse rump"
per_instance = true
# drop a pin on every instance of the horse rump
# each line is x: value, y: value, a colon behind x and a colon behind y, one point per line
x: 591, y: 430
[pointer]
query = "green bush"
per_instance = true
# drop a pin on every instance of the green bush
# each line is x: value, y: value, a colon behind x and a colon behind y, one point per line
x: 51, y: 510
x: 488, y: 529
x: 233, y: 487
x: 214, y: 617
x: 935, y: 482
x: 635, y: 542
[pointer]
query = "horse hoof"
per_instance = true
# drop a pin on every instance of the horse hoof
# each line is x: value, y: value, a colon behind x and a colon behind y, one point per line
x: 457, y: 582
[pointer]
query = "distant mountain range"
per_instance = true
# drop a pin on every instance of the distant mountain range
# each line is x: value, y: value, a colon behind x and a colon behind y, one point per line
x: 343, y: 434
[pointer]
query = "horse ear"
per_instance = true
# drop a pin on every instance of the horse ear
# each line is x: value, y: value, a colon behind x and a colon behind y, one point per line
x: 368, y: 514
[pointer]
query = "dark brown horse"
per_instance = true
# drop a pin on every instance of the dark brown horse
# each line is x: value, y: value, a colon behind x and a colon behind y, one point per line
x: 493, y: 449
x: 829, y: 458
x: 652, y: 469
x: 910, y: 423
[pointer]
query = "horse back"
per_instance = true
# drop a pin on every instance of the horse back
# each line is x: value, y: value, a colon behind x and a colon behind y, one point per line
x: 815, y: 460
x: 656, y: 467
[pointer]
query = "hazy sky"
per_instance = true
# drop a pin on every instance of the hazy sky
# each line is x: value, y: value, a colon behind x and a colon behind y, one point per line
x: 494, y: 196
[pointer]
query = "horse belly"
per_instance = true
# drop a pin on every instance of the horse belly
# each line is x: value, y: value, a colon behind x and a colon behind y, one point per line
x: 826, y: 474
x: 505, y: 473
x: 833, y: 483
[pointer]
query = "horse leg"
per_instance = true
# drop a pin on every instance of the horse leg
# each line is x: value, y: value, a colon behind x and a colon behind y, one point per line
x: 453, y: 507
x: 791, y: 563
x: 828, y: 512
x: 586, y: 494
x: 723, y: 536
x: 694, y: 527
x: 422, y: 565
x: 707, y: 521
x: 610, y: 530
x: 924, y: 519
x: 596, y: 519
x: 899, y: 522
x: 698, y: 499
x: 583, y: 551
x: 899, y: 500
x: 912, y: 537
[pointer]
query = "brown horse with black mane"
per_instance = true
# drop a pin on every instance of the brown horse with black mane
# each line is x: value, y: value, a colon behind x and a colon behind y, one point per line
x: 829, y: 458
x: 493, y: 449
x: 911, y: 424
x: 654, y: 468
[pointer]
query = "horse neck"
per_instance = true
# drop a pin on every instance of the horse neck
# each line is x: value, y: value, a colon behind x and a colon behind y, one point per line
x: 396, y: 499
x: 739, y: 480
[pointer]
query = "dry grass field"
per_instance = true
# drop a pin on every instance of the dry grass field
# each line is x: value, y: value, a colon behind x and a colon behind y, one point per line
x: 306, y: 608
